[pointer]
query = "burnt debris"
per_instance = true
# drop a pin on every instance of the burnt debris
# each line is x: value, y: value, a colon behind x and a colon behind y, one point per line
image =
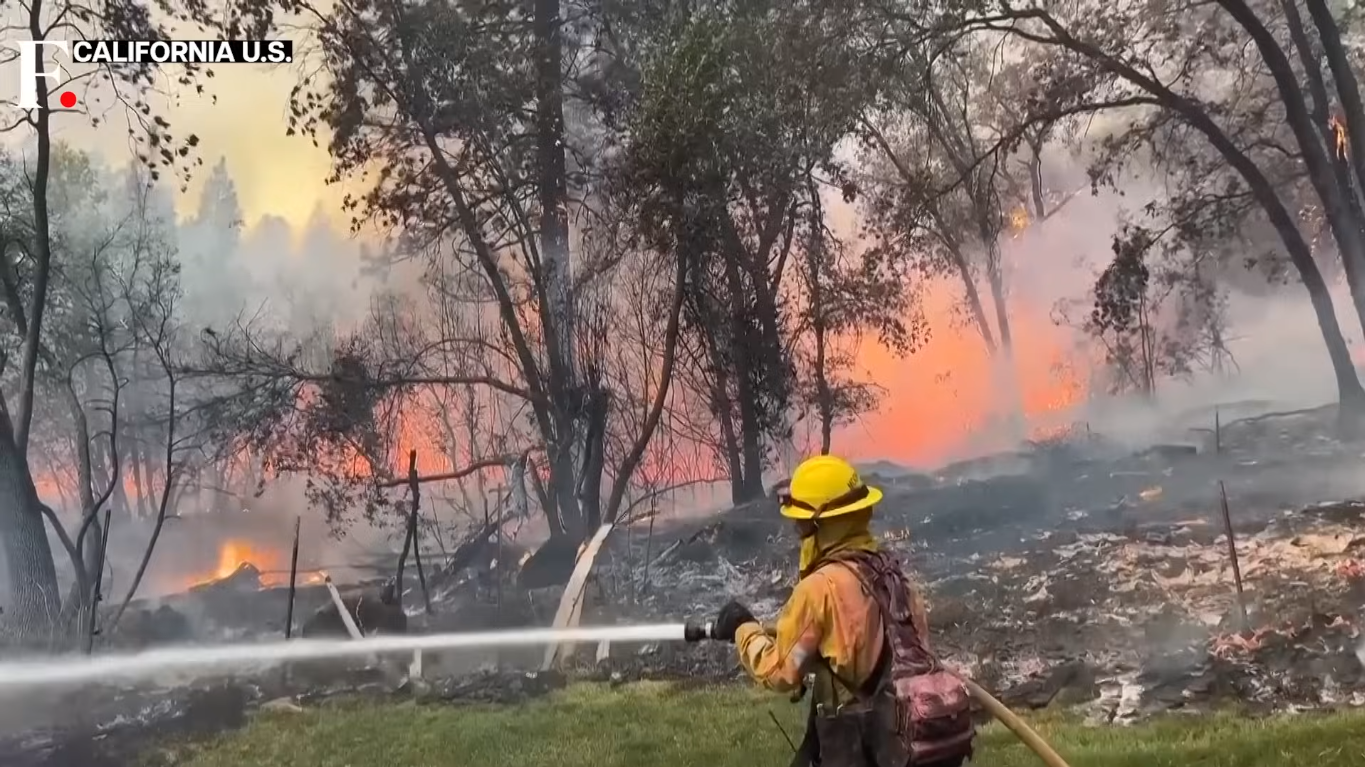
x: 1075, y: 573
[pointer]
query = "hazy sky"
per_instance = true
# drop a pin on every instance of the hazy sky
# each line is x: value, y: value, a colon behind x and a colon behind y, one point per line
x: 275, y: 174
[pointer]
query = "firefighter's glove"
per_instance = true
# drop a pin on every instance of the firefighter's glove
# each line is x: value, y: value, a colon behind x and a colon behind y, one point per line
x: 729, y: 619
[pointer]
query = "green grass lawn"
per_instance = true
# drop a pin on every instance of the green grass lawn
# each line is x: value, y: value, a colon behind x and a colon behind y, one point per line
x: 653, y: 725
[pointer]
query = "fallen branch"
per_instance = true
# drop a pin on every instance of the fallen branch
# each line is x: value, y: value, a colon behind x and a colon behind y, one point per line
x: 571, y: 603
x: 345, y: 614
x: 1277, y: 414
x: 466, y: 551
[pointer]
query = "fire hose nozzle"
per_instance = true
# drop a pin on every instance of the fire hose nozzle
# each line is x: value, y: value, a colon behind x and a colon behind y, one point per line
x: 697, y: 632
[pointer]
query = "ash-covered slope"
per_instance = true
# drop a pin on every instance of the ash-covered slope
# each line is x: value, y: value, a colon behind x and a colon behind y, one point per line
x: 1092, y: 573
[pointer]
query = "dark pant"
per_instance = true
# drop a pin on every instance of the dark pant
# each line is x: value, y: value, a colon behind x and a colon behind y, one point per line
x: 854, y: 739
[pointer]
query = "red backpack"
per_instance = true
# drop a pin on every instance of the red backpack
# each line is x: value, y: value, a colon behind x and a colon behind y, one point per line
x: 932, y: 708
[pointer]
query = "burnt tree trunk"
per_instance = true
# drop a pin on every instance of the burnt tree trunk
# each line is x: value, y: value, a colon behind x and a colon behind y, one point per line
x: 751, y: 447
x: 743, y: 358
x: 414, y: 534
x: 1037, y: 192
x: 594, y: 458
x: 82, y: 559
x: 729, y: 440
x: 557, y: 313
x: 978, y: 310
x: 996, y: 279
x: 91, y: 622
x: 564, y: 516
x: 402, y: 562
x: 34, y: 602
x: 141, y: 480
x: 411, y: 539
x: 713, y: 328
x: 118, y: 499
x: 815, y: 253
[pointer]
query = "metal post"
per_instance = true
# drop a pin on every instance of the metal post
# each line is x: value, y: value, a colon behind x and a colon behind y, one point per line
x: 293, y: 581
x: 1232, y: 554
x: 649, y: 544
x: 415, y: 489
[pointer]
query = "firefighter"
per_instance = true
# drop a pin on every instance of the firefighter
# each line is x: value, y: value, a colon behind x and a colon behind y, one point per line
x: 858, y: 628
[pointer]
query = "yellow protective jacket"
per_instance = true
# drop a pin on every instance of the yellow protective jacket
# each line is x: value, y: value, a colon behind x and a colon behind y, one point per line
x: 828, y: 615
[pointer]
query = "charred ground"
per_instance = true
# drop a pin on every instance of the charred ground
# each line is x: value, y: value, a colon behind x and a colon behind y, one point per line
x: 1075, y: 573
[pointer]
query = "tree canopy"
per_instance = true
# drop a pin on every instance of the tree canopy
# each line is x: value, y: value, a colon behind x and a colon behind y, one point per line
x: 616, y: 248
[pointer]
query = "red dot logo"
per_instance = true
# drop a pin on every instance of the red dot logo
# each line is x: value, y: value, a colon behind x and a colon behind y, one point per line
x: 68, y: 99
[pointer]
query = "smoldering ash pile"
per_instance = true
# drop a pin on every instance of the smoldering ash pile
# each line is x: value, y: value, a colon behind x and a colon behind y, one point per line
x: 210, y: 659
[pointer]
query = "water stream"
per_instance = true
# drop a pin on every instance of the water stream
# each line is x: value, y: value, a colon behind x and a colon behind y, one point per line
x: 209, y: 658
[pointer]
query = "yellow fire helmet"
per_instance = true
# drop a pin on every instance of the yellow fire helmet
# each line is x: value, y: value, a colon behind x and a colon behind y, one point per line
x: 825, y: 486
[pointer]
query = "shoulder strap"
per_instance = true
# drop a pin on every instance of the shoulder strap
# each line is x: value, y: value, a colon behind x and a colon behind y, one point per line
x: 879, y: 576
x: 873, y: 681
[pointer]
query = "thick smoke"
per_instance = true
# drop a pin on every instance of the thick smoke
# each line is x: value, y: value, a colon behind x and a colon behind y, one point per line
x: 947, y: 402
x: 307, y: 279
x: 944, y: 403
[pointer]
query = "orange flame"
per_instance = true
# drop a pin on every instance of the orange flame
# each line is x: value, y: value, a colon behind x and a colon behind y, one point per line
x: 945, y: 401
x: 233, y: 554
x: 272, y: 564
x: 1019, y: 221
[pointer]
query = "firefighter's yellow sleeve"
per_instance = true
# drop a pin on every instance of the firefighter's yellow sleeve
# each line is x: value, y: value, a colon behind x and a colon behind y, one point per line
x: 779, y: 662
